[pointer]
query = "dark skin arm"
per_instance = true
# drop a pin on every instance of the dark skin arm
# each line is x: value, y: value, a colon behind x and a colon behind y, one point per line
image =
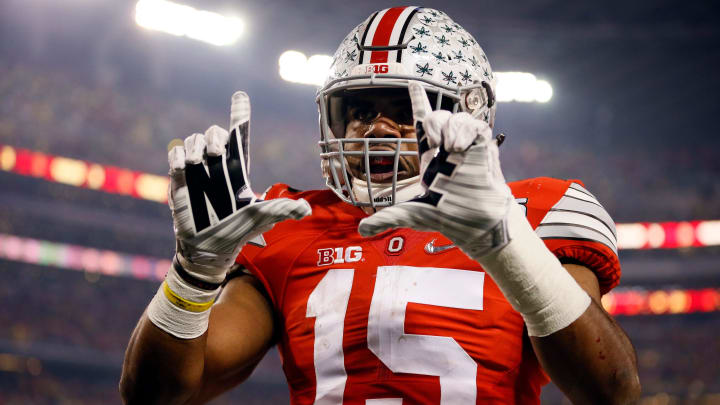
x: 592, y: 360
x: 162, y: 369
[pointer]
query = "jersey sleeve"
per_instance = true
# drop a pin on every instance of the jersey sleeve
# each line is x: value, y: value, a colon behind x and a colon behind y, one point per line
x: 257, y: 252
x: 574, y: 226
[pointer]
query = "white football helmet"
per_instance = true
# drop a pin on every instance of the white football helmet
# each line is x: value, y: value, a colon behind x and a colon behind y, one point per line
x: 386, y: 51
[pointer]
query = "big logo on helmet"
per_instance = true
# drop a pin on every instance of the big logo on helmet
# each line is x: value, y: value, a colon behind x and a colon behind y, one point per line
x: 377, y: 68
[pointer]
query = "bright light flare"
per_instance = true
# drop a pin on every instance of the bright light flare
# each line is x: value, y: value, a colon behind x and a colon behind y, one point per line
x: 295, y: 67
x: 522, y: 87
x: 180, y: 20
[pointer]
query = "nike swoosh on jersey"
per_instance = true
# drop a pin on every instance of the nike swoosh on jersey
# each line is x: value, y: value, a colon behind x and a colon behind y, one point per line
x: 432, y: 249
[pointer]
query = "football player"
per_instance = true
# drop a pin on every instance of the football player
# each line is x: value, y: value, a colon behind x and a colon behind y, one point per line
x: 418, y: 277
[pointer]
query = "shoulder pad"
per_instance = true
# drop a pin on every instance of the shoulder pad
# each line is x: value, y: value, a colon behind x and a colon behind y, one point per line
x: 279, y: 190
x: 579, y: 215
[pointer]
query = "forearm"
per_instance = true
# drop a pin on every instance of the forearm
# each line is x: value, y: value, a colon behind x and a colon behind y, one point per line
x: 160, y: 368
x: 165, y: 359
x: 581, y: 347
x: 592, y: 361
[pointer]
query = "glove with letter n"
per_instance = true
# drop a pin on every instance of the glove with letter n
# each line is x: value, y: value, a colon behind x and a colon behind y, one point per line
x: 467, y: 200
x: 215, y: 212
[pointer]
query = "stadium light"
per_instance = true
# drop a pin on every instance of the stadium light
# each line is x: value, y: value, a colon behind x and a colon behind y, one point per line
x: 295, y: 67
x: 181, y: 20
x: 522, y: 87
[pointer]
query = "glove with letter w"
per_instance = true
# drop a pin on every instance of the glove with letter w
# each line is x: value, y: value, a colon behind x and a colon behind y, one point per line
x: 466, y: 197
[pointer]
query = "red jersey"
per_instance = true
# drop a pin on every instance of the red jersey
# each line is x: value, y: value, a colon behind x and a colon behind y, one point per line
x: 405, y: 317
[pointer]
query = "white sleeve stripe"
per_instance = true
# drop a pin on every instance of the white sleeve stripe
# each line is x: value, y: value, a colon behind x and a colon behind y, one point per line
x: 580, y: 219
x: 572, y: 231
x: 587, y: 208
x: 610, y: 228
x: 580, y: 196
x: 582, y: 189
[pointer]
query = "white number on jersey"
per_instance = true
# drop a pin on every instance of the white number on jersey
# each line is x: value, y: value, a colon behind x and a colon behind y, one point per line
x: 395, y: 287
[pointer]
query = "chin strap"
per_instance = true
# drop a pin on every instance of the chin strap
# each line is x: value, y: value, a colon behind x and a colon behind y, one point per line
x: 405, y: 190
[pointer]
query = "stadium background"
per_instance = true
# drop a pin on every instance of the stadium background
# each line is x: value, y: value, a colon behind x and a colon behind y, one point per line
x: 89, y: 102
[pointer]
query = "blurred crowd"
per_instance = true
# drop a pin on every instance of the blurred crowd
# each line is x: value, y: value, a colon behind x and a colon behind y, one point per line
x: 63, y: 386
x: 50, y: 111
x: 668, y: 184
x: 58, y: 113
x: 73, y: 309
x: 64, y: 343
x: 89, y: 318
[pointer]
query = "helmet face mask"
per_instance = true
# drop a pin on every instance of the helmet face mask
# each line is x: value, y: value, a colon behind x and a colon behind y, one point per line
x: 381, y: 113
x: 367, y: 104
x: 368, y: 85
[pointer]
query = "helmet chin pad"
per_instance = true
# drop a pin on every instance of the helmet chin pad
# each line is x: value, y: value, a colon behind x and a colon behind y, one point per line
x: 382, y: 194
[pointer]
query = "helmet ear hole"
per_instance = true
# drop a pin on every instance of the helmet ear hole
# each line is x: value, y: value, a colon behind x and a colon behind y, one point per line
x: 474, y: 100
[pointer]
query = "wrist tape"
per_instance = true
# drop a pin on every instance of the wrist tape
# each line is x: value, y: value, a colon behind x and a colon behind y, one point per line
x: 533, y: 280
x: 182, y: 308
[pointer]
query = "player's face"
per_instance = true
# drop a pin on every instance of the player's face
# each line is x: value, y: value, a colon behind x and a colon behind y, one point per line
x: 383, y: 113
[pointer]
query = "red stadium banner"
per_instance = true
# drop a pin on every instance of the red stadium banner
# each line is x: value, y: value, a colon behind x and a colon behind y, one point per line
x: 116, y: 180
x: 661, y: 302
x: 668, y: 235
x: 80, y: 173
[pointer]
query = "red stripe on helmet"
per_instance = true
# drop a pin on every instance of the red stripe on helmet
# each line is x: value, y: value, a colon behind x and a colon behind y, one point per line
x: 383, y: 32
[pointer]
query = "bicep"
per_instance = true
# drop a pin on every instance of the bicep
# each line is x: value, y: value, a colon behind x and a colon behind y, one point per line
x: 240, y: 332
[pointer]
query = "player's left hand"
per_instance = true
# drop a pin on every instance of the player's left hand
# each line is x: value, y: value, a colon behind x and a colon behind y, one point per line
x: 466, y: 197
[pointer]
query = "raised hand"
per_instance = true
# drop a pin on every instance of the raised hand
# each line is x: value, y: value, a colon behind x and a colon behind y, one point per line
x: 213, y: 207
x: 466, y: 197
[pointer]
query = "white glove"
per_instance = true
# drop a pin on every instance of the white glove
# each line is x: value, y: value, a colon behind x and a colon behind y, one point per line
x: 214, y: 213
x: 466, y: 198
x: 213, y: 207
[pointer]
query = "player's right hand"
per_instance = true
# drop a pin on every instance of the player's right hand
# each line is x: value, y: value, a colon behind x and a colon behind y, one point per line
x: 214, y: 209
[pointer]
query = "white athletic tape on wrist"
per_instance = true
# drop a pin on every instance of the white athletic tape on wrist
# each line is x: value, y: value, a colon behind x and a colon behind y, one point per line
x: 170, y: 317
x: 533, y: 280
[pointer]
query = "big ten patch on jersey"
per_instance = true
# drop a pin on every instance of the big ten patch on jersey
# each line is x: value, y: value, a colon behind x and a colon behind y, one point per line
x: 339, y: 255
x: 416, y: 245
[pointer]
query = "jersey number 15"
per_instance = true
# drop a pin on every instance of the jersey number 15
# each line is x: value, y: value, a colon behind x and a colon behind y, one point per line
x: 395, y: 287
